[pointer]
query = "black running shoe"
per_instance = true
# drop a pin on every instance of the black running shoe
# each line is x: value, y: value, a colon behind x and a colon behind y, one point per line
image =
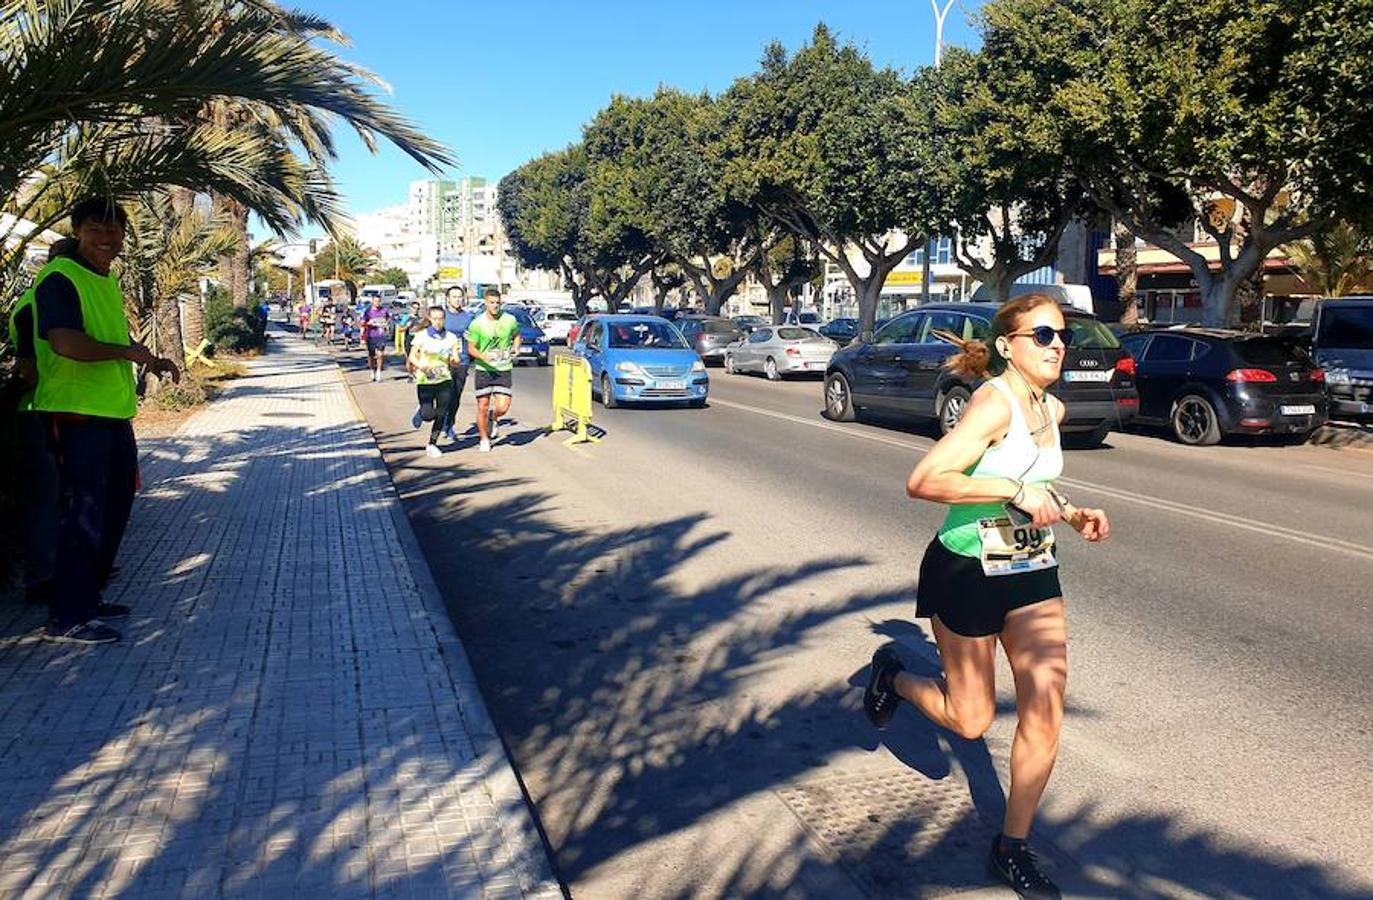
x: 111, y: 611
x: 1018, y: 868
x: 880, y: 698
x: 92, y: 632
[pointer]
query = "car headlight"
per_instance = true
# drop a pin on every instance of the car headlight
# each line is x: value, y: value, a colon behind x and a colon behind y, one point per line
x: 698, y: 366
x: 1336, y: 377
x: 630, y: 367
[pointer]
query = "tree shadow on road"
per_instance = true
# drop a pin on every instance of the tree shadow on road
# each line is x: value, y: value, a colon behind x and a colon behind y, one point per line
x: 642, y: 702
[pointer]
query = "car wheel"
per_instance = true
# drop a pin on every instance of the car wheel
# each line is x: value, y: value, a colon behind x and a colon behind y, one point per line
x: 952, y: 404
x: 1088, y: 440
x: 770, y: 370
x: 543, y: 360
x: 729, y: 365
x: 698, y: 403
x: 1195, y: 422
x: 607, y: 395
x: 838, y: 400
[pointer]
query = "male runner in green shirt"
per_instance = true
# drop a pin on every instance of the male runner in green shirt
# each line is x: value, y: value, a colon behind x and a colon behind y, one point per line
x: 493, y: 342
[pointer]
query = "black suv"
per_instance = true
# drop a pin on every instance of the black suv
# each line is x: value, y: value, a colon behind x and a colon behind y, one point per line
x: 901, y: 372
x: 1204, y: 383
x: 1343, y: 342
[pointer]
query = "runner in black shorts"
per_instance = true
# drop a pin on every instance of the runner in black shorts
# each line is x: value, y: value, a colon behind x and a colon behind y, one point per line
x: 456, y: 319
x: 376, y: 327
x: 990, y: 576
x: 493, y: 342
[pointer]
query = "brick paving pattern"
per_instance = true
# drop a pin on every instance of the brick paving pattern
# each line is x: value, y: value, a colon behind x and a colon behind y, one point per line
x: 290, y: 712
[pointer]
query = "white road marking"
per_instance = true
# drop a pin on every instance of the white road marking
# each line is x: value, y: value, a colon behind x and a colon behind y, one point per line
x: 1320, y: 541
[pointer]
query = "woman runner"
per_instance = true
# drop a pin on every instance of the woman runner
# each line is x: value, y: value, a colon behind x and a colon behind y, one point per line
x: 990, y: 575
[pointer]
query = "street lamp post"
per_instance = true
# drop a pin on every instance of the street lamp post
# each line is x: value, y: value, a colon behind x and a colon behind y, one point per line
x: 940, y: 14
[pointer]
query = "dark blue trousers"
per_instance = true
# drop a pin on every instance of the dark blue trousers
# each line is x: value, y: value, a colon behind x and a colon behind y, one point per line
x: 98, y: 472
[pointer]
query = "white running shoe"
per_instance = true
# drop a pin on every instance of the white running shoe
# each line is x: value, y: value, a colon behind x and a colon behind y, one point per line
x: 433, y: 451
x: 484, y: 446
x: 495, y: 430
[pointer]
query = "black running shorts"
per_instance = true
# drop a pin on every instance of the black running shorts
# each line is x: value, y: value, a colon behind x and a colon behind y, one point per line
x: 488, y: 383
x: 971, y: 603
x: 377, y: 344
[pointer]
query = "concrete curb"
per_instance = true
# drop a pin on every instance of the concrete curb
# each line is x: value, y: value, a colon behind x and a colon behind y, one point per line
x: 1343, y: 436
x: 533, y: 869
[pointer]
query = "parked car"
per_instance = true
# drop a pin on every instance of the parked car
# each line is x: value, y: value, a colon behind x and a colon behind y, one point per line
x: 1342, y: 341
x: 780, y: 350
x: 637, y: 358
x: 750, y: 324
x: 841, y: 331
x: 901, y: 372
x: 533, y: 343
x: 806, y: 318
x: 1205, y: 383
x: 557, y: 324
x: 708, y: 335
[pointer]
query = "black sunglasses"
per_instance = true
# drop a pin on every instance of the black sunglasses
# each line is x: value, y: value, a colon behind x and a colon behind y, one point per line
x: 1044, y: 335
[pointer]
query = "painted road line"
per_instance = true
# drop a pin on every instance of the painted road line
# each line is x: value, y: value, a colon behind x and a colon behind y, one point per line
x: 1321, y: 541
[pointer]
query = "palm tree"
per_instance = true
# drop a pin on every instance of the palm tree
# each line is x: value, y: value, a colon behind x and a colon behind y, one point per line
x: 348, y: 261
x: 1337, y: 261
x: 118, y: 96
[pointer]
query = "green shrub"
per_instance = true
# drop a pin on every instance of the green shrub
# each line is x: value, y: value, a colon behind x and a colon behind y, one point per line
x: 230, y: 328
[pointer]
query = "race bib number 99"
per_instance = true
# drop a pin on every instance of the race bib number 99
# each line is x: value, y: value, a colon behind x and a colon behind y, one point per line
x: 498, y: 357
x: 1010, y: 549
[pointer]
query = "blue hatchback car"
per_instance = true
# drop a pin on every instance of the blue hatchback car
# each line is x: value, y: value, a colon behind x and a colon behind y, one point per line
x: 640, y: 358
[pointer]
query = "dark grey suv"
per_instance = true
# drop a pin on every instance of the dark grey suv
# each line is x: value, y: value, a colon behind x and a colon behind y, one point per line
x: 709, y: 336
x: 901, y: 372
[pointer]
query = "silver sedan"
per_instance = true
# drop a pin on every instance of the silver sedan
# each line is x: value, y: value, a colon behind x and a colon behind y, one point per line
x: 777, y: 350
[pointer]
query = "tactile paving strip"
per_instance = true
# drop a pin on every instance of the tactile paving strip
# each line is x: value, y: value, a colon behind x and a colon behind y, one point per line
x: 898, y: 834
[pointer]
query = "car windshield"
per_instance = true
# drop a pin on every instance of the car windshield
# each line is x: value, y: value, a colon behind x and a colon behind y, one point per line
x: 659, y: 335
x: 1089, y: 334
x: 809, y: 318
x: 1347, y: 327
x: 1267, y: 352
x: 751, y: 320
x: 521, y: 316
x: 560, y: 317
x: 798, y: 334
x: 719, y: 326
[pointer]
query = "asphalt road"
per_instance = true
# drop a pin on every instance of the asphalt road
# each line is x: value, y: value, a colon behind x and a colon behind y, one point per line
x: 671, y: 628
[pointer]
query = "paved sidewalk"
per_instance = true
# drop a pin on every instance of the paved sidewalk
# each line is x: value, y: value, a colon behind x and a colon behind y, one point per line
x: 290, y: 713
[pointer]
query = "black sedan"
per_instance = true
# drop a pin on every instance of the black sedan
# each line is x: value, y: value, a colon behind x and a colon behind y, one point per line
x: 901, y: 372
x: 1206, y: 383
x: 842, y: 331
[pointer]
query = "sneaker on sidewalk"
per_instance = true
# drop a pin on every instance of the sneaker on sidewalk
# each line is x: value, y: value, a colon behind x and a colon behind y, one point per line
x: 92, y: 632
x: 484, y: 446
x: 111, y: 611
x: 416, y: 419
x: 433, y: 451
x: 1018, y: 868
x: 880, y: 699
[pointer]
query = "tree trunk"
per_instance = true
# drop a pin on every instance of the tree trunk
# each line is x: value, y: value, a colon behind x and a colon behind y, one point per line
x: 167, y: 321
x: 1127, y: 273
x: 193, y: 321
x: 778, y: 296
x: 234, y: 268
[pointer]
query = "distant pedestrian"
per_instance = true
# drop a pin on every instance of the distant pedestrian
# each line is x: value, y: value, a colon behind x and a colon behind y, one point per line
x: 376, y: 328
x: 457, y: 319
x: 493, y: 343
x: 328, y: 320
x: 991, y: 575
x: 434, y: 354
x: 414, y: 323
x: 85, y: 360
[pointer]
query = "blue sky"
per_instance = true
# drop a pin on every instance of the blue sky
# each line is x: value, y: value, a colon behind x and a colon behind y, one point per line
x: 501, y: 82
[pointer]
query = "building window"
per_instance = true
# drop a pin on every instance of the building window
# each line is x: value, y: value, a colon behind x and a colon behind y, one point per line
x: 943, y: 253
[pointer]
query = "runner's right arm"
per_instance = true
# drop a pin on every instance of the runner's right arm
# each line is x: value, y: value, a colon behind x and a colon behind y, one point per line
x: 941, y: 475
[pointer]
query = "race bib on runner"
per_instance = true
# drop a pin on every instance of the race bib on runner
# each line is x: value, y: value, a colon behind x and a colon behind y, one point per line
x: 1010, y: 549
x: 497, y: 357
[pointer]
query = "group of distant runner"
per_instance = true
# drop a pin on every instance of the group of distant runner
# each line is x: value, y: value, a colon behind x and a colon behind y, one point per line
x: 441, y: 346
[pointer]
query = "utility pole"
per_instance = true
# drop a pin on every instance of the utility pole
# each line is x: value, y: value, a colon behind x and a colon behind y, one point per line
x: 940, y: 15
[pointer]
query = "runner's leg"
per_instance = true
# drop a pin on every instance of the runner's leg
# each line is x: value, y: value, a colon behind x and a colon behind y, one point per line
x: 964, y: 700
x: 484, y: 416
x: 443, y: 395
x: 459, y: 382
x: 1036, y: 642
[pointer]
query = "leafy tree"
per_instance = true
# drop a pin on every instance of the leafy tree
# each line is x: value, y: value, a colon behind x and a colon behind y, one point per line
x: 1248, y: 119
x: 998, y: 156
x: 822, y: 143
x: 543, y: 206
x: 395, y: 277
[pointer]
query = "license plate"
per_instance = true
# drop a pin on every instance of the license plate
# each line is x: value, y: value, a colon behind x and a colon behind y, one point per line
x: 1305, y: 409
x: 1075, y: 375
x: 671, y: 385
